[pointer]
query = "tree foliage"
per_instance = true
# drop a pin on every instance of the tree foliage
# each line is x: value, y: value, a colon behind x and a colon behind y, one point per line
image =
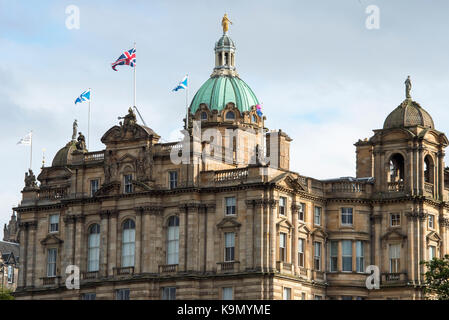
x: 437, y: 278
x: 6, y: 295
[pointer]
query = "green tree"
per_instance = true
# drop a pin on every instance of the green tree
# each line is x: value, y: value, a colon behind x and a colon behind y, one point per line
x: 6, y: 295
x: 437, y: 278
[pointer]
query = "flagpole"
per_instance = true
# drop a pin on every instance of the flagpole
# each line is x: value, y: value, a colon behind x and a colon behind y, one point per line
x: 135, y: 66
x: 187, y: 102
x: 88, y: 121
x: 31, y: 149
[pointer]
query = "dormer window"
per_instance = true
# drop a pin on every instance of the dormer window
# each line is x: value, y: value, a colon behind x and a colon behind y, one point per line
x: 127, y: 178
x: 230, y: 115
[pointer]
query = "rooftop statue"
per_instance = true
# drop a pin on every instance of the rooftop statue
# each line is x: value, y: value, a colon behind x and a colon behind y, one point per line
x: 129, y: 122
x: 408, y: 87
x: 30, y: 179
x: 75, y: 129
x: 81, y: 144
x: 225, y: 23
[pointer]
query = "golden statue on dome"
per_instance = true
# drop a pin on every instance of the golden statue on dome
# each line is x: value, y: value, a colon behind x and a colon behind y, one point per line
x: 225, y: 23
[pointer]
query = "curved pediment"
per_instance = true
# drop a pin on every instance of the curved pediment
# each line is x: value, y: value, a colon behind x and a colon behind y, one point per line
x: 126, y: 133
x: 108, y: 189
x: 53, y: 173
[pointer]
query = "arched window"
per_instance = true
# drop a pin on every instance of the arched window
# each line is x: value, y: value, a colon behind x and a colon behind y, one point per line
x: 254, y: 118
x: 230, y: 115
x: 396, y: 168
x: 93, y: 248
x: 204, y: 115
x: 128, y: 243
x: 173, y: 240
x: 428, y: 169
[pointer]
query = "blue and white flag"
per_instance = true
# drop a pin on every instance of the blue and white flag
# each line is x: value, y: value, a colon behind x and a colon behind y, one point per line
x: 85, y: 96
x: 182, y: 84
x: 27, y: 140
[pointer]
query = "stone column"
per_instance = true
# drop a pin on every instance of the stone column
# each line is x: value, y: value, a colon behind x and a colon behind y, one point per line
x: 147, y: 252
x: 68, y: 255
x: 411, y: 220
x: 210, y: 232
x: 104, y: 243
x: 31, y: 253
x: 258, y: 235
x: 138, y: 248
x: 192, y: 237
x: 272, y: 214
x: 422, y: 236
x: 112, y: 260
x: 183, y: 221
x: 23, y: 252
x: 440, y: 184
x: 421, y: 170
x: 408, y: 174
x: 295, y: 238
x: 377, y: 220
x: 79, y: 243
x: 249, y: 234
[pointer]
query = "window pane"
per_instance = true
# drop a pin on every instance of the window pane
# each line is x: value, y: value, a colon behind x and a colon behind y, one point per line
x: 346, y: 249
x: 227, y: 294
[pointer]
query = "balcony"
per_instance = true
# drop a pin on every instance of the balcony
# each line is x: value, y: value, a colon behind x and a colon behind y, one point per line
x: 94, y: 156
x: 428, y: 189
x: 394, y: 278
x: 53, y: 194
x: 228, y: 266
x: 168, y: 268
x: 90, y: 275
x: 231, y: 175
x: 50, y: 281
x: 284, y: 267
x: 123, y: 271
x: 303, y: 272
x: 397, y: 186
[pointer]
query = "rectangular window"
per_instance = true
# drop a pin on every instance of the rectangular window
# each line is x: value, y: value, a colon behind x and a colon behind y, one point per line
x: 431, y: 221
x: 303, y: 296
x: 346, y: 253
x: 94, y: 186
x: 169, y: 293
x: 317, y: 216
x: 54, y: 223
x: 122, y: 294
x: 230, y: 205
x: 317, y: 255
x: 333, y: 256
x: 318, y: 297
x: 283, y: 246
x: 229, y: 246
x: 89, y: 296
x: 360, y: 256
x: 301, y: 212
x: 10, y: 274
x: 395, y: 256
x: 432, y: 252
x: 127, y: 183
x: 227, y: 293
x: 51, y: 262
x: 395, y: 219
x: 301, y: 247
x: 346, y: 216
x: 346, y: 298
x: 287, y: 294
x: 282, y: 204
x: 173, y: 179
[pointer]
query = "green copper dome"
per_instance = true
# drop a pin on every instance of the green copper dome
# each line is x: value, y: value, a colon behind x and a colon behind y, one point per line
x: 219, y: 91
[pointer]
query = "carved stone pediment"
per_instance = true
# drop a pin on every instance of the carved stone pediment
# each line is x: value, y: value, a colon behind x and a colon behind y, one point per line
x: 141, y: 186
x: 54, y: 173
x: 304, y: 229
x: 319, y: 233
x: 229, y: 223
x: 108, y: 189
x: 393, y: 235
x: 284, y: 223
x: 433, y: 236
x: 131, y: 132
x: 291, y: 181
x: 51, y: 239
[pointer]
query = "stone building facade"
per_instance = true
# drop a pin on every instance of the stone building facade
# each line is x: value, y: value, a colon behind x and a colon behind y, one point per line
x: 140, y: 226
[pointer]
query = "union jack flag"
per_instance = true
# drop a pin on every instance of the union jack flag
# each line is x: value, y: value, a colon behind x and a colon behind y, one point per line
x: 127, y: 58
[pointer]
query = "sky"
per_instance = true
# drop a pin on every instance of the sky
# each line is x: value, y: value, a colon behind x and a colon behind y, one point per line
x: 323, y: 77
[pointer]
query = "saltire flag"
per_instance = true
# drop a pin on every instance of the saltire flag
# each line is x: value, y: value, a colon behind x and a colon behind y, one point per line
x: 182, y: 84
x: 85, y: 96
x: 127, y: 58
x: 26, y: 140
x: 259, y: 110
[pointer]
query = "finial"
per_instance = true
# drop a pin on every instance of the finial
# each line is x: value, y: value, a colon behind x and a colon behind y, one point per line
x: 225, y: 23
x: 408, y: 87
x: 43, y: 157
